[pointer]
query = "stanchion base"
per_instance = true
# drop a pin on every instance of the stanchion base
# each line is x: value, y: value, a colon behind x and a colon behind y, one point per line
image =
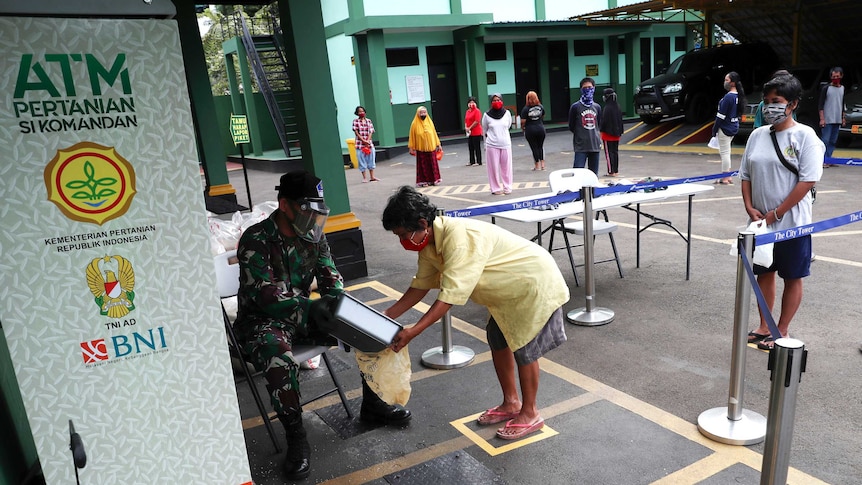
x: 459, y: 356
x: 715, y: 425
x: 599, y: 316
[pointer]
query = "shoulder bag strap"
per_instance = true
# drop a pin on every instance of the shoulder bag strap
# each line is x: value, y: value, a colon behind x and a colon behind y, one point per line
x: 781, y: 155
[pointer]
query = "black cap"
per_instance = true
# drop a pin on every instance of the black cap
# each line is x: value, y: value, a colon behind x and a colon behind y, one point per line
x: 609, y: 91
x: 299, y: 184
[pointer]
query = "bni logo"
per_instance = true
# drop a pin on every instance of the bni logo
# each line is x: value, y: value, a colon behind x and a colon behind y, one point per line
x: 120, y: 346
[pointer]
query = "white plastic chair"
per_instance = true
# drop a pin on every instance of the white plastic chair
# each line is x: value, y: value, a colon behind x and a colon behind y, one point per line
x: 227, y: 281
x: 572, y: 179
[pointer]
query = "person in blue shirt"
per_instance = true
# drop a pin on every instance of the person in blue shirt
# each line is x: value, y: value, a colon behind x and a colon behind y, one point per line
x: 727, y: 120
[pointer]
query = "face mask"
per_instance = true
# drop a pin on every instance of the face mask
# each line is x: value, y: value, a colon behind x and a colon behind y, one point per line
x: 422, y: 117
x: 587, y: 95
x: 727, y: 85
x: 310, y: 218
x: 472, y: 105
x: 362, y: 115
x: 774, y: 113
x: 409, y: 245
x: 836, y: 82
x: 496, y: 104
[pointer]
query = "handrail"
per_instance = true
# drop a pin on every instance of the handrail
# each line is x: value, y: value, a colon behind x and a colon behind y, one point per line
x: 263, y: 84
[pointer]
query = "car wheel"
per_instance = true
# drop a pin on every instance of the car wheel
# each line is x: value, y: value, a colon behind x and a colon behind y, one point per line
x: 698, y: 109
x: 651, y: 119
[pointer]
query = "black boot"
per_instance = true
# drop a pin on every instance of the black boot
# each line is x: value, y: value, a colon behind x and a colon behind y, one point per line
x: 376, y: 410
x: 297, y: 464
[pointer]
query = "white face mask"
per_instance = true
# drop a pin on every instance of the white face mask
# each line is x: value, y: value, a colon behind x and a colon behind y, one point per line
x: 774, y: 113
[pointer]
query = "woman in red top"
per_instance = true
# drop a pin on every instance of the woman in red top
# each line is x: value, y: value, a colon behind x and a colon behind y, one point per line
x: 473, y: 125
x: 611, y: 129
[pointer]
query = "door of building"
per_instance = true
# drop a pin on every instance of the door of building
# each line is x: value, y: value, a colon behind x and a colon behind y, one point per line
x: 559, y: 100
x: 444, y: 90
x: 526, y: 72
x: 662, y: 54
x: 646, y: 56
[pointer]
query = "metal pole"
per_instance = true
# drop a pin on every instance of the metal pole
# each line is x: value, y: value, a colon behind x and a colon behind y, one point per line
x: 447, y: 356
x: 245, y: 174
x: 589, y: 315
x: 734, y: 425
x: 787, y: 363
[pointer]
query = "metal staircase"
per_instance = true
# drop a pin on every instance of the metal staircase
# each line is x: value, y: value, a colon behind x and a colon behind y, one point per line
x: 268, y: 63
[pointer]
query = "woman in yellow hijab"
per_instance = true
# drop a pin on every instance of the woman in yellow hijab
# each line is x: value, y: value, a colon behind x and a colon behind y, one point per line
x: 424, y: 143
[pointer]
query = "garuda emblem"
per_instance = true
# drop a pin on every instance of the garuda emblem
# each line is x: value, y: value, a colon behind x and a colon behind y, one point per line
x: 111, y: 280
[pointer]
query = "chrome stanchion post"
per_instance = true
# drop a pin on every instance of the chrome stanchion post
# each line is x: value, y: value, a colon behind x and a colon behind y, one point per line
x: 787, y: 362
x: 589, y: 315
x: 447, y: 356
x: 733, y: 424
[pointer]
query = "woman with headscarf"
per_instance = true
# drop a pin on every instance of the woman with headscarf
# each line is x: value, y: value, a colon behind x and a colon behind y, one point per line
x: 534, y: 128
x: 423, y: 144
x: 498, y: 146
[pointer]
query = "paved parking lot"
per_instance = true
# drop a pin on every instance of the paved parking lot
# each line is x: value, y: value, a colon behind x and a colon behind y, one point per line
x: 621, y: 401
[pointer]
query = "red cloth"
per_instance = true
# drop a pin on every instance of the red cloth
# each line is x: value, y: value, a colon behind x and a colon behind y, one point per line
x: 427, y: 169
x: 607, y: 137
x: 471, y: 116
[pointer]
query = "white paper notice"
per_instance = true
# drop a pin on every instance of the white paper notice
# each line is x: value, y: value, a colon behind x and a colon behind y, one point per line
x: 415, y: 89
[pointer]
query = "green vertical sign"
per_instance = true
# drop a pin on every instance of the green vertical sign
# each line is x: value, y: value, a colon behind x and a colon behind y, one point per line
x: 239, y: 129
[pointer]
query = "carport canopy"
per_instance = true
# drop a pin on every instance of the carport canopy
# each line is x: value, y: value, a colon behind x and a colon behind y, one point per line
x: 800, y: 31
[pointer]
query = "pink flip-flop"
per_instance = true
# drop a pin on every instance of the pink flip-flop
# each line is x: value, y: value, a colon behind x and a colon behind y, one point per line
x: 494, y: 416
x: 514, y: 431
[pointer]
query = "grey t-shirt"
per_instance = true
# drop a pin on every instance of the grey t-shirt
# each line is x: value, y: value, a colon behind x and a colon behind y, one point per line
x: 833, y: 106
x: 771, y: 181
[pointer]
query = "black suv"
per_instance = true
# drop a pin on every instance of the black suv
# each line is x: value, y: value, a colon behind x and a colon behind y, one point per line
x: 694, y: 83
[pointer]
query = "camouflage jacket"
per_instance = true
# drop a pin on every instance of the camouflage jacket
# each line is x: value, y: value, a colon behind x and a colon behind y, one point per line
x: 276, y: 273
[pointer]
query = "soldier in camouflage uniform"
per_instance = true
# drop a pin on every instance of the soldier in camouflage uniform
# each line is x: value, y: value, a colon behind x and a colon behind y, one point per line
x: 279, y: 258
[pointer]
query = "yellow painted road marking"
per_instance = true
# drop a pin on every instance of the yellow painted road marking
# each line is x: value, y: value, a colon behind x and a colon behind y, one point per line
x: 723, y: 457
x: 668, y: 132
x: 645, y: 134
x: 481, y: 441
x: 695, y: 133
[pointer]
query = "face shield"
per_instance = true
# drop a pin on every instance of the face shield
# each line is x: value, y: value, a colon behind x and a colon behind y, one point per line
x: 310, y: 219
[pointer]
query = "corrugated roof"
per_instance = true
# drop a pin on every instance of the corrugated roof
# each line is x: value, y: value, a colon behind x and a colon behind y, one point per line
x: 800, y: 31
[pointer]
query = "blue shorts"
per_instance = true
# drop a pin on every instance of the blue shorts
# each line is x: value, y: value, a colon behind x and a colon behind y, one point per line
x: 792, y: 259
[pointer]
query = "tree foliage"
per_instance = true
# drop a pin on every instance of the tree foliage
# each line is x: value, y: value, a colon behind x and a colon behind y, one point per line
x: 221, y: 20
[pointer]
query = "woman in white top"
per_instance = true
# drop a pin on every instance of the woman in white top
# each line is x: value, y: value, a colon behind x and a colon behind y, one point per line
x: 498, y: 146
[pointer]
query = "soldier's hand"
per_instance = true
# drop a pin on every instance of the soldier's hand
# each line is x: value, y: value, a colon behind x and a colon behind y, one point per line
x: 320, y: 313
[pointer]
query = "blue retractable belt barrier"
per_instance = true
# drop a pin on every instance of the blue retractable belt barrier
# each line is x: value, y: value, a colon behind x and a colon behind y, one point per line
x: 761, y: 301
x: 843, y: 161
x: 807, y: 229
x: 564, y: 197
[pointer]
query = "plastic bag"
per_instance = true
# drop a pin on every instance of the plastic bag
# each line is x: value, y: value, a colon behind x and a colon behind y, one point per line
x: 387, y: 373
x: 762, y: 253
x: 713, y: 143
x: 312, y: 363
x: 439, y: 154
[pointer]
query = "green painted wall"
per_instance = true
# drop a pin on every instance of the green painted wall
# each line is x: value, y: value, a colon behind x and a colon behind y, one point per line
x: 223, y: 110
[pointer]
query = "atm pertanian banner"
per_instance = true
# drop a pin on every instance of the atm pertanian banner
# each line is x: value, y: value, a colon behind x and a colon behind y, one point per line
x: 109, y: 302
